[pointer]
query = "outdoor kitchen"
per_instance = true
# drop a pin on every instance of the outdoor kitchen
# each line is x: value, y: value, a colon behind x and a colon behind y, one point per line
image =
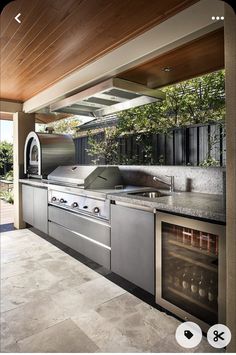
x: 100, y: 212
x: 123, y: 174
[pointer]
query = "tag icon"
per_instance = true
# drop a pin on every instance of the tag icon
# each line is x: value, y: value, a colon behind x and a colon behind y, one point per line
x: 188, y: 334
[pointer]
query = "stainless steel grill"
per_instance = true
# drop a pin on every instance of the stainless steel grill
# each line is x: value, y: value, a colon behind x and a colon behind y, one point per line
x: 87, y: 177
x: 77, y: 185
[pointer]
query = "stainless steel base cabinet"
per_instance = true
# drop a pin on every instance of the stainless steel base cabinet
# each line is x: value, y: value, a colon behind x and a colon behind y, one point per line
x: 35, y: 207
x: 28, y: 204
x: 190, y: 269
x: 89, y: 236
x: 132, y: 245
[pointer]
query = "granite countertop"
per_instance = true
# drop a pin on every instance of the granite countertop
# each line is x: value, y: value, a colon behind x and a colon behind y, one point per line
x: 205, y: 206
x: 210, y: 207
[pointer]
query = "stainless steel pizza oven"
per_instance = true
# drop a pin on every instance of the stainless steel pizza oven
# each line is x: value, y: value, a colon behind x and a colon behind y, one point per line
x: 43, y: 152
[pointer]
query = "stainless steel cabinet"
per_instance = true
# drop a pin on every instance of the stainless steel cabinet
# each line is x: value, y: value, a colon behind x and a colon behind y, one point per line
x: 35, y: 207
x: 27, y: 204
x: 132, y: 245
x: 40, y: 209
x: 88, y: 236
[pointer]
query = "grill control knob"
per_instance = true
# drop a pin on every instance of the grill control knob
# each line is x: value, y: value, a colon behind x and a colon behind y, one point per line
x: 62, y: 200
x: 96, y: 210
x: 75, y: 204
x: 54, y: 199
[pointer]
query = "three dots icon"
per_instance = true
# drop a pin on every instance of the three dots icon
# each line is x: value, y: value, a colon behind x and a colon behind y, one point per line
x: 217, y: 18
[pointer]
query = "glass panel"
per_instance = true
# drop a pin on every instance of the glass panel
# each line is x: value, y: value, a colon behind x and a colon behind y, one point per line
x: 190, y: 271
x: 34, y: 155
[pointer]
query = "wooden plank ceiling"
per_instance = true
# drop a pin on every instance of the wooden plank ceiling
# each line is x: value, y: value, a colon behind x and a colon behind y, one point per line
x: 201, y: 56
x: 57, y: 37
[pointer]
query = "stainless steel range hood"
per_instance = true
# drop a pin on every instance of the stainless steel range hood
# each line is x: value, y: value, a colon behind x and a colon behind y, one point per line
x: 108, y: 97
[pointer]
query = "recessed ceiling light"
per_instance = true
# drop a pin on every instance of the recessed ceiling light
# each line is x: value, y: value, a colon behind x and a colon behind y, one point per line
x: 167, y: 69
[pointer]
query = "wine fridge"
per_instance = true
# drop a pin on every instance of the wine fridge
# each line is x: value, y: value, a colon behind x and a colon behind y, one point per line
x: 190, y: 269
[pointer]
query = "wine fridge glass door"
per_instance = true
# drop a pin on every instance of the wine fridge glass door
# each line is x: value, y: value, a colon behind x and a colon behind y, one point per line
x: 190, y: 267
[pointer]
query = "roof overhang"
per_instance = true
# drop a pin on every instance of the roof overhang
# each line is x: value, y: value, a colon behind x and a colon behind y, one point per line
x: 187, y: 25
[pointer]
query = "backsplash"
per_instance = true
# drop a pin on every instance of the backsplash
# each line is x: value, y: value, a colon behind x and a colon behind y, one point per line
x: 192, y: 179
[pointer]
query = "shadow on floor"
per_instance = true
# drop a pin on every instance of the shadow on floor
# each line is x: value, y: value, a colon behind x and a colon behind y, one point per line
x: 6, y: 227
x: 108, y: 274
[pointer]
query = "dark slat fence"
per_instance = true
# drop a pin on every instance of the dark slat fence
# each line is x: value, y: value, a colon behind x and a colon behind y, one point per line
x: 180, y: 146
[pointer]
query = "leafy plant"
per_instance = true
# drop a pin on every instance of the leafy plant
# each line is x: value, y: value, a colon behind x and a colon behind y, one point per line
x: 197, y: 101
x: 9, y: 175
x: 65, y: 126
x: 106, y: 149
x: 209, y: 162
x: 7, y: 196
x: 6, y: 154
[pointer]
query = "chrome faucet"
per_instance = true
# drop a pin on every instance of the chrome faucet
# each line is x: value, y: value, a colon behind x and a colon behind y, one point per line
x: 171, y: 184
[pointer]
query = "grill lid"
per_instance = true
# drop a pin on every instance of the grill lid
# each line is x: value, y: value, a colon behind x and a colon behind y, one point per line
x: 108, y: 97
x: 87, y: 177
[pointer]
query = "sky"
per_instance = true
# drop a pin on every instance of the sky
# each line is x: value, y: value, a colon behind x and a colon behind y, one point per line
x: 6, y: 131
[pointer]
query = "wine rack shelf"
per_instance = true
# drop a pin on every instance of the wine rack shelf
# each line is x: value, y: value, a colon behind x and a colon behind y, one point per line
x: 192, y: 300
x: 194, y: 261
x: 192, y: 248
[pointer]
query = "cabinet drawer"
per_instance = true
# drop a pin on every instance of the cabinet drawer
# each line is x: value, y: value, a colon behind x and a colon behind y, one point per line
x: 99, y: 231
x: 86, y: 247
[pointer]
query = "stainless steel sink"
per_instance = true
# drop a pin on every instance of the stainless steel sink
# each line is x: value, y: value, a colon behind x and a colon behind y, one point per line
x: 150, y: 194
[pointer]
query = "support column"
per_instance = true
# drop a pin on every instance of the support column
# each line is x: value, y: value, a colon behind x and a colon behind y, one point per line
x: 23, y: 123
x: 230, y: 82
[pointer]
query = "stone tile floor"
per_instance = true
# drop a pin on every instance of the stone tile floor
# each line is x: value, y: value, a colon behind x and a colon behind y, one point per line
x: 51, y: 302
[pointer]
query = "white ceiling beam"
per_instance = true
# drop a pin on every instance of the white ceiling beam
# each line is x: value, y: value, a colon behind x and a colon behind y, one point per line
x: 187, y: 25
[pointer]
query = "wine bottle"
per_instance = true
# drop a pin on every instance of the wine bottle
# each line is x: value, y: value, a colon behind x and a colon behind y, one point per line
x: 194, y: 285
x: 211, y: 294
x: 202, y: 289
x: 186, y: 281
x: 177, y: 277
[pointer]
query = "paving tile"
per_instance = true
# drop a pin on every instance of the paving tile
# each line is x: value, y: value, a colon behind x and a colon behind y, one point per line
x: 160, y: 321
x: 18, y: 267
x: 103, y: 333
x: 11, y: 348
x: 120, y: 319
x: 205, y: 347
x: 9, y: 256
x: 63, y: 337
x: 66, y: 266
x: 43, y: 288
x: 140, y: 334
x: 168, y: 345
x: 8, y: 299
x: 87, y: 296
x: 6, y: 337
x: 33, y: 317
x: 119, y: 307
x: 25, y: 287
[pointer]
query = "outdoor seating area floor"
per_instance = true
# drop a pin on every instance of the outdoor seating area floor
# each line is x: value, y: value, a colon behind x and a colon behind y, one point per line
x: 51, y: 302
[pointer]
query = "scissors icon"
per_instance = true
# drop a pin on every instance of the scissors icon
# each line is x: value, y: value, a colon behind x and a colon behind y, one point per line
x: 218, y: 336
